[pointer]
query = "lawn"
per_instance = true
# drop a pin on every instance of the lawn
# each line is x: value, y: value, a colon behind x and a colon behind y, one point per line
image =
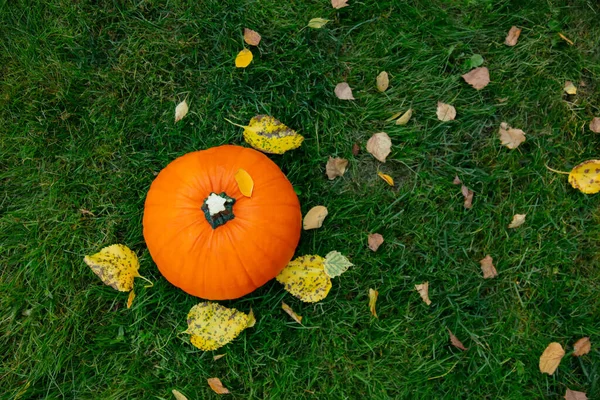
x: 87, y: 99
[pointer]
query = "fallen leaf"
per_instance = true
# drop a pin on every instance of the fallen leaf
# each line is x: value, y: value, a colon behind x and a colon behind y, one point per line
x: 518, y: 220
x: 305, y: 278
x: 314, y: 217
x: 216, y: 385
x: 388, y: 179
x: 130, y: 299
x: 212, y: 325
x: 575, y: 395
x: 380, y: 146
x: 218, y: 357
x: 245, y: 182
x: 394, y: 116
x: 566, y: 39
x: 468, y: 195
x: 445, y: 112
x: 335, y: 167
x: 291, y: 313
x: 251, y: 319
x: 586, y: 177
x: 269, y: 135
x: 478, y: 78
x: 178, y: 395
x: 317, y: 23
x: 513, y: 36
x: 355, y: 149
x: 582, y: 347
x: 181, y: 110
x: 343, y: 91
x: 337, y: 4
x: 116, y: 266
x: 335, y: 264
x: 251, y: 37
x: 243, y: 59
x: 423, y: 290
x: 476, y: 60
x: 383, y: 81
x: 595, y: 125
x: 83, y: 211
x: 375, y: 240
x: 570, y: 88
x: 455, y: 342
x: 551, y: 357
x: 456, y: 180
x: 403, y: 120
x: 372, y: 301
x: 510, y: 137
x: 487, y: 267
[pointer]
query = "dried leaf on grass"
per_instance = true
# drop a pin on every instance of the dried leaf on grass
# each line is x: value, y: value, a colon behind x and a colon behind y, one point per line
x: 457, y: 181
x: 403, y: 120
x: 380, y: 146
x: 270, y: 135
x: 181, y: 110
x: 468, y: 195
x: 487, y: 267
x: 291, y: 313
x: 372, y: 301
x: 375, y: 240
x: 575, y: 395
x: 513, y: 36
x: 335, y: 167
x: 343, y: 91
x: 337, y: 4
x: 518, y: 220
x: 455, y: 342
x: 251, y: 37
x: 116, y: 265
x: 216, y: 385
x: 423, y: 290
x: 388, y: 179
x: 314, y: 217
x: 570, y: 88
x: 566, y: 39
x: 445, y: 112
x: 243, y: 59
x: 586, y: 177
x: 178, y: 395
x: 582, y: 347
x: 510, y: 137
x: 305, y: 278
x: 595, y: 125
x: 383, y: 81
x: 130, y: 299
x: 478, y: 78
x: 550, y: 358
x: 336, y: 264
x: 317, y: 23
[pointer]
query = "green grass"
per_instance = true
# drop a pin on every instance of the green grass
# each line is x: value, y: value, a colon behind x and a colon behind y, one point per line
x: 87, y: 97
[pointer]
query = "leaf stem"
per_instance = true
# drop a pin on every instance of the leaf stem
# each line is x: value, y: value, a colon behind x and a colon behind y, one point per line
x: 558, y: 172
x: 233, y: 123
x: 147, y: 280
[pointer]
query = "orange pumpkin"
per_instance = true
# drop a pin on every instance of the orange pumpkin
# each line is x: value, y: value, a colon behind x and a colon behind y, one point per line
x: 206, y: 237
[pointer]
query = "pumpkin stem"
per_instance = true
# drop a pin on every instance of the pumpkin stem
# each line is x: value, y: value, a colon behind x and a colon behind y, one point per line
x: 218, y: 209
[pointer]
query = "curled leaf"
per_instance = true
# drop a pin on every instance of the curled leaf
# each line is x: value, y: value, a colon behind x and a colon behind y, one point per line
x: 550, y: 358
x: 335, y: 167
x: 445, y: 112
x: 314, y: 217
x: 513, y: 36
x: 582, y: 347
x: 216, y: 385
x: 337, y: 4
x: 181, y: 110
x: 251, y: 37
x: 380, y: 146
x: 269, y: 135
x: 317, y: 23
x: 375, y: 240
x: 306, y: 279
x: 383, y: 81
x: 116, y: 266
x: 487, y: 267
x: 510, y: 137
x: 423, y: 290
x: 478, y: 78
x: 373, y: 294
x: 243, y: 59
x: 403, y: 120
x: 468, y: 195
x: 586, y: 177
x: 595, y: 125
x: 178, y: 395
x: 570, y: 88
x: 212, y: 325
x: 291, y: 313
x: 343, y: 91
x: 455, y: 342
x: 245, y: 182
x: 336, y: 264
x: 130, y: 299
x: 518, y: 220
x: 388, y: 179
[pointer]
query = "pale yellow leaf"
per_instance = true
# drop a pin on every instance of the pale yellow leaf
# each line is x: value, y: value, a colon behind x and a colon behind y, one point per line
x: 116, y: 266
x: 575, y: 395
x: 550, y: 358
x: 566, y: 39
x: 513, y: 36
x: 582, y: 347
x: 181, y: 110
x: 336, y: 264
x: 510, y: 137
x: 337, y: 4
x: 383, y: 81
x: 130, y: 299
x: 394, y: 116
x: 487, y: 267
x: 314, y: 217
x: 586, y: 177
x: 343, y: 91
x: 423, y: 290
x: 518, y: 220
x: 218, y: 357
x: 306, y: 279
x: 403, y: 120
x: 388, y: 179
x: 468, y: 195
x: 445, y: 112
x: 380, y: 146
x: 335, y: 167
x: 178, y: 395
x: 375, y: 240
x: 216, y: 385
x: 291, y: 313
x: 595, y: 125
x: 570, y: 88
x: 243, y: 59
x: 455, y: 342
x: 251, y: 37
x: 245, y: 182
x: 269, y: 135
x: 317, y: 23
x: 373, y: 294
x: 478, y: 78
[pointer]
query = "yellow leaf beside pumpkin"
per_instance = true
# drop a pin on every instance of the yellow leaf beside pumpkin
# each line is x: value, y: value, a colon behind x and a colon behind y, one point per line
x: 116, y: 265
x: 245, y: 182
x: 269, y: 135
x: 306, y: 279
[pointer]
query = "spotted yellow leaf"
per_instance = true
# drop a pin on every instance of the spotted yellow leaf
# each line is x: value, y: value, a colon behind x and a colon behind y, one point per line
x: 243, y: 59
x: 306, y: 279
x: 269, y: 135
x: 116, y: 265
x: 336, y: 264
x: 245, y: 182
x: 586, y: 177
x: 212, y: 325
x: 388, y: 179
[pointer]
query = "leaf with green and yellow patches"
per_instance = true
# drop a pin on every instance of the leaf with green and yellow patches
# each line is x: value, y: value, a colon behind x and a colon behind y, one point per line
x: 269, y: 135
x: 305, y: 278
x: 116, y: 265
x: 212, y: 326
x: 336, y: 264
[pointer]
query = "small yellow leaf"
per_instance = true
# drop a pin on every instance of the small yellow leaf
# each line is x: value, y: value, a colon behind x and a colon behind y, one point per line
x: 423, y: 290
x: 550, y: 358
x: 116, y: 266
x: 478, y: 78
x: 595, y: 125
x: 245, y: 182
x: 582, y: 347
x: 445, y: 112
x: 216, y: 385
x: 314, y: 217
x: 566, y: 39
x: 380, y: 146
x: 251, y: 37
x: 518, y: 220
x: 317, y: 23
x: 178, y: 395
x: 403, y: 120
x: 251, y: 319
x: 181, y: 110
x: 510, y: 137
x: 336, y: 264
x: 513, y: 36
x: 306, y: 279
x: 586, y: 177
x: 487, y: 267
x: 243, y: 59
x: 394, y: 116
x: 212, y: 326
x: 335, y: 167
x: 343, y: 91
x: 375, y: 240
x: 130, y: 299
x: 570, y: 88
x: 269, y: 135
x: 218, y: 357
x: 372, y: 301
x: 337, y: 4
x: 388, y: 179
x: 291, y: 313
x: 383, y: 81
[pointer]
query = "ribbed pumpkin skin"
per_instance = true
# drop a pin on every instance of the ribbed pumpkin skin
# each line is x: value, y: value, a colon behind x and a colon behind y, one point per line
x: 243, y: 254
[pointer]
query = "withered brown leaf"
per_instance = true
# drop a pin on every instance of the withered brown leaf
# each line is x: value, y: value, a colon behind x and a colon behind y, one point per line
x: 468, y: 195
x: 550, y: 358
x: 380, y: 146
x: 518, y: 220
x: 478, y: 78
x: 510, y: 137
x: 513, y: 36
x: 582, y: 347
x: 251, y: 37
x: 445, y: 112
x: 375, y: 240
x: 575, y: 395
x: 216, y: 385
x: 595, y: 125
x: 455, y: 342
x: 335, y: 167
x: 343, y: 91
x: 423, y: 290
x: 487, y: 267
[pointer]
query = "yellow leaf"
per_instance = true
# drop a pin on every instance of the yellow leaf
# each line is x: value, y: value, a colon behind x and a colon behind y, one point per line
x: 306, y: 279
x: 394, y: 116
x: 510, y: 137
x: 317, y: 23
x: 130, y: 299
x: 181, y: 110
x: 335, y: 167
x: 218, y: 357
x: 586, y: 177
x: 336, y: 264
x: 582, y: 347
x: 116, y: 266
x: 212, y: 326
x: 380, y: 146
x: 487, y: 267
x: 251, y: 37
x: 518, y: 220
x: 550, y: 358
x: 570, y: 88
x: 178, y: 395
x: 403, y: 120
x: 372, y: 301
x: 314, y: 217
x: 291, y: 313
x: 245, y: 182
x: 388, y: 179
x: 269, y: 135
x: 243, y: 59
x: 383, y: 81
x: 251, y: 319
x: 445, y: 112
x: 216, y: 385
x: 423, y: 290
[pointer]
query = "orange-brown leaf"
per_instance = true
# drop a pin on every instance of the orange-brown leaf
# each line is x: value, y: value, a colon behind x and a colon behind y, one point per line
x: 550, y: 358
x: 130, y: 299
x: 582, y: 347
x: 513, y: 36
x: 388, y: 179
x: 455, y: 342
x: 375, y: 240
x: 216, y: 385
x: 251, y: 37
x: 487, y: 267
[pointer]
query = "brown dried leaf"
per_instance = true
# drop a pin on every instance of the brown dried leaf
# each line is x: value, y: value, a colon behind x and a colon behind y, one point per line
x: 181, y: 110
x: 403, y: 120
x: 518, y: 220
x: 343, y: 91
x: 218, y: 357
x: 337, y: 4
x: 510, y: 137
x: 383, y: 81
x: 216, y: 385
x: 355, y: 149
x: 314, y: 217
x: 445, y: 112
x: 251, y: 37
x: 487, y: 267
x: 372, y: 301
x: 468, y: 195
x: 550, y: 358
x: 457, y: 181
x: 291, y: 313
x: 375, y: 240
x: 570, y: 88
x: 575, y: 395
x: 582, y: 347
x: 83, y: 211
x: 478, y: 78
x: 513, y: 36
x: 423, y: 290
x: 595, y: 125
x: 335, y: 167
x: 178, y: 395
x: 455, y: 342
x: 380, y: 146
